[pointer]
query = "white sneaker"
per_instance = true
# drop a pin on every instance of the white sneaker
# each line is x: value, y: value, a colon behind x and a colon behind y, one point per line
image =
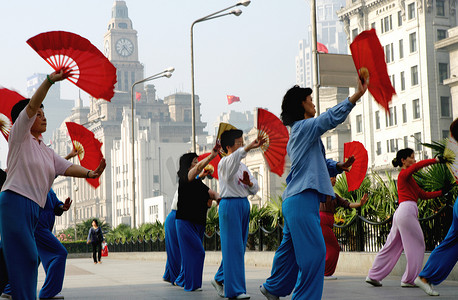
x: 408, y: 285
x: 426, y: 287
x: 330, y: 277
x: 243, y: 296
x: 6, y: 296
x: 268, y: 295
x: 373, y: 281
x: 218, y: 287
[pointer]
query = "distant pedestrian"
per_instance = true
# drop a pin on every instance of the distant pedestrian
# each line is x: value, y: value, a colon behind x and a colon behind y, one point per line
x: 95, y: 238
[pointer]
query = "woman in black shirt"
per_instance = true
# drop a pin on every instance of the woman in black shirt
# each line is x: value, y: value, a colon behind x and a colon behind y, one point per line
x: 194, y: 198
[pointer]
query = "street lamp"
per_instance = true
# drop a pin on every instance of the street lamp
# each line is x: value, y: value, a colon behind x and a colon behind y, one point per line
x: 236, y: 12
x: 166, y: 73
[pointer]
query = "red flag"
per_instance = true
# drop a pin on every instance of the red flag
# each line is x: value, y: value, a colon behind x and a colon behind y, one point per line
x: 368, y: 56
x: 138, y: 96
x: 321, y: 48
x: 231, y: 99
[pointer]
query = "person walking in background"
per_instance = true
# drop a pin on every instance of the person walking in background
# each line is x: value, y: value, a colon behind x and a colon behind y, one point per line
x: 444, y: 257
x: 327, y: 211
x: 194, y: 199
x: 236, y: 183
x: 300, y: 259
x: 32, y: 167
x: 405, y: 234
x: 95, y: 238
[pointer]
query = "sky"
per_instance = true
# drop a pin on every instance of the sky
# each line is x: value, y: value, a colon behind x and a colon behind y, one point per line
x: 251, y: 56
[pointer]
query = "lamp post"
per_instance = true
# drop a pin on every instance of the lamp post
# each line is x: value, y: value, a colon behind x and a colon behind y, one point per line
x: 166, y: 73
x: 236, y: 12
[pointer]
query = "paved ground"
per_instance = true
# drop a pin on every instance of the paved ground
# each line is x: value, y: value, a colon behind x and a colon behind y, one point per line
x: 132, y: 279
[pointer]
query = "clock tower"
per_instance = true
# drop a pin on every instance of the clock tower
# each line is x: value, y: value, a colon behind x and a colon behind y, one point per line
x: 120, y: 46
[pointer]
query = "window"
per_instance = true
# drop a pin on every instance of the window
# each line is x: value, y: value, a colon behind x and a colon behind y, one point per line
x: 156, y: 178
x: 379, y: 148
x: 399, y: 18
x: 440, y: 8
x: 413, y: 42
x: 328, y: 143
x: 354, y: 33
x: 401, y: 48
x: 387, y: 24
x: 445, y: 107
x: 403, y: 81
x: 393, y: 81
x: 404, y: 113
x: 373, y: 25
x: 377, y: 120
x: 416, y: 108
x: 417, y: 138
x: 393, y: 145
x: 392, y: 118
x: 359, y: 123
x: 445, y: 134
x: 411, y: 11
x: 406, y: 141
x: 414, y: 75
x: 443, y: 72
x: 389, y: 55
x: 441, y: 34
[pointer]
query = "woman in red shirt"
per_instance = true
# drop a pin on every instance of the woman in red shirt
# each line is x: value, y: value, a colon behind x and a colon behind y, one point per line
x: 406, y: 233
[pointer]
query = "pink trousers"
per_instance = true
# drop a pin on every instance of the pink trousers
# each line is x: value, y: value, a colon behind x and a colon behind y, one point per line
x: 405, y: 234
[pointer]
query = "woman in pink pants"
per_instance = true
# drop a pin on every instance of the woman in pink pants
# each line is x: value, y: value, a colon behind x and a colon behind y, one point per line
x: 406, y: 233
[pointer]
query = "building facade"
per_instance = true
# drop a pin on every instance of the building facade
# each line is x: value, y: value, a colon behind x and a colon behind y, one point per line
x: 422, y: 109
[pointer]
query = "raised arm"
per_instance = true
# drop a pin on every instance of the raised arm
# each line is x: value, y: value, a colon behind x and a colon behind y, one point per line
x: 201, y: 164
x: 362, y: 88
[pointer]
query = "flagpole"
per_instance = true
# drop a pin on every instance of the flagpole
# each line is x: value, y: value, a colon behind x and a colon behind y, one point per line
x: 316, y: 88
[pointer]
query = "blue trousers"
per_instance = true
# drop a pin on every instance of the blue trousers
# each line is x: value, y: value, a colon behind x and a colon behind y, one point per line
x: 18, y: 220
x: 53, y: 255
x: 173, y: 264
x: 234, y: 219
x: 444, y: 257
x: 300, y: 259
x: 190, y: 239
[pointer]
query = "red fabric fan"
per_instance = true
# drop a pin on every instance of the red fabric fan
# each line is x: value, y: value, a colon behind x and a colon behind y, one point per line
x: 88, y: 148
x: 8, y: 99
x: 369, y: 57
x: 358, y: 170
x: 213, y: 163
x: 276, y: 134
x: 91, y: 70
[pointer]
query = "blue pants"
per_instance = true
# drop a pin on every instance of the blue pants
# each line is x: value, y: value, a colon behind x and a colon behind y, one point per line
x: 173, y: 264
x: 299, y: 260
x: 53, y: 255
x: 444, y: 257
x: 234, y: 219
x: 18, y: 220
x: 190, y: 238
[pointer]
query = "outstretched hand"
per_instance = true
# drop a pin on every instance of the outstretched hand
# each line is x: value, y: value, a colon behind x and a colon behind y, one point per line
x: 97, y: 172
x: 246, y: 179
x: 67, y: 204
x: 363, y: 200
x: 60, y: 74
x: 345, y: 166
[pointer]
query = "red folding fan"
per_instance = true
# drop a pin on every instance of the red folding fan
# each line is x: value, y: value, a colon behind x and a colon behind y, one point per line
x: 88, y: 148
x: 369, y: 57
x: 91, y: 70
x: 213, y: 164
x: 276, y: 134
x: 8, y: 99
x: 359, y: 168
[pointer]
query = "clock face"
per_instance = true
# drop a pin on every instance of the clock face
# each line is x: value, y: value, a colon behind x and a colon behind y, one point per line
x: 124, y: 47
x: 106, y: 49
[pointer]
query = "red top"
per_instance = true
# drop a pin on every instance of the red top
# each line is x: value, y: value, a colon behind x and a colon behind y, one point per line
x: 408, y: 189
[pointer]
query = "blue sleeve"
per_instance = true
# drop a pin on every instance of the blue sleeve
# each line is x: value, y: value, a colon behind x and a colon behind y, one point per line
x: 89, y: 236
x: 55, y: 203
x: 332, y: 168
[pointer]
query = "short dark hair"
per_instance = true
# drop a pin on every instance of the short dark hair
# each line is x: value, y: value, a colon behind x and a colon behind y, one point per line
x: 401, y: 154
x: 185, y: 162
x: 18, y: 107
x: 228, y: 138
x: 454, y: 129
x: 291, y: 107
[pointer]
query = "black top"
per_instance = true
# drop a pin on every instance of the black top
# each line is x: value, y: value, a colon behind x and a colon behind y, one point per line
x: 192, y: 201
